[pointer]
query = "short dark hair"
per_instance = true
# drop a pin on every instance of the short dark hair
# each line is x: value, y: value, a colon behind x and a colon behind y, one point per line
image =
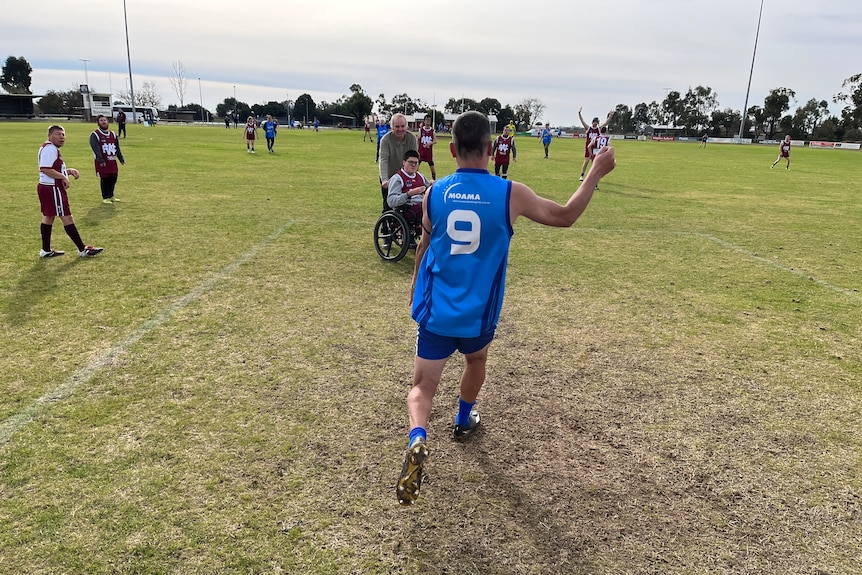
x: 410, y: 154
x: 54, y: 128
x: 471, y: 134
x: 101, y: 116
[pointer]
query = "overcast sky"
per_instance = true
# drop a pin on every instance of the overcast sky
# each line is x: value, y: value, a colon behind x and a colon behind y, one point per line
x: 567, y: 53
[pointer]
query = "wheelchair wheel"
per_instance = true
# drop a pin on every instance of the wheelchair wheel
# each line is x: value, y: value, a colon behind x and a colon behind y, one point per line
x: 392, y: 236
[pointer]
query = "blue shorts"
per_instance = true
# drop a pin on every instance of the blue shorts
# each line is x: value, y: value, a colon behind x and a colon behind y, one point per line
x: 432, y: 346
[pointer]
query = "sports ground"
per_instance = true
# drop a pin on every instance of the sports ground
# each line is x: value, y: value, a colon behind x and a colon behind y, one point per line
x: 676, y: 385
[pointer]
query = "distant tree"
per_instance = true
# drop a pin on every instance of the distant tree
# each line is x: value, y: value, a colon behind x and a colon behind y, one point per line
x: 383, y: 107
x: 490, y: 107
x: 672, y: 108
x: 304, y: 107
x: 457, y: 106
x: 851, y: 114
x: 271, y: 108
x: 774, y: 106
x: 640, y: 117
x: 622, y: 122
x: 530, y: 108
x: 724, y: 123
x: 15, y: 77
x: 697, y: 107
x: 179, y: 81
x: 231, y: 105
x: 146, y: 95
x: 61, y: 103
x: 656, y: 114
x: 828, y: 130
x: 808, y: 117
x: 403, y: 104
x: 756, y: 117
x: 504, y: 116
x: 358, y: 104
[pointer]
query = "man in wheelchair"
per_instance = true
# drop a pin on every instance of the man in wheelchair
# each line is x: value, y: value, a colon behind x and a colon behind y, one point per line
x: 407, y: 188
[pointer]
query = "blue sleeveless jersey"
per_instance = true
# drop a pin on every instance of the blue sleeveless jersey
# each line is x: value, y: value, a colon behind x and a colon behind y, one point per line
x: 462, y: 276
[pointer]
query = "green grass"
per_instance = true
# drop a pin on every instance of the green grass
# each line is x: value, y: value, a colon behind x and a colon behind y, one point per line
x: 675, y: 387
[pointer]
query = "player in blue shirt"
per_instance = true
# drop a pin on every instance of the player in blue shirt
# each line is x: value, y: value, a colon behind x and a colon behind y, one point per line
x: 269, y: 130
x: 547, y: 136
x: 382, y: 130
x: 460, y: 276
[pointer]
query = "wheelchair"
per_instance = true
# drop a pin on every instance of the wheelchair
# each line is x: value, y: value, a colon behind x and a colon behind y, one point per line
x: 395, y: 235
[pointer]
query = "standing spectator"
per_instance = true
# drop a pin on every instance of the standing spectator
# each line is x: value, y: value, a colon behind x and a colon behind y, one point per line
x: 547, y: 136
x: 227, y: 121
x: 703, y: 141
x: 784, y: 152
x: 121, y: 123
x: 316, y: 125
x: 591, y: 132
x: 393, y: 146
x: 106, y: 154
x: 250, y: 134
x: 53, y: 199
x: 460, y: 276
x: 504, y: 146
x: 427, y: 139
x: 512, y: 128
x: 270, y: 128
x: 367, y: 133
x: 382, y: 130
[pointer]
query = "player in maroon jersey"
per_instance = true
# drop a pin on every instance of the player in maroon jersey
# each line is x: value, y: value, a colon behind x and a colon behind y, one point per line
x: 784, y: 152
x: 250, y: 134
x: 504, y: 146
x: 592, y: 131
x: 106, y: 153
x: 427, y: 139
x: 407, y: 188
x: 53, y: 182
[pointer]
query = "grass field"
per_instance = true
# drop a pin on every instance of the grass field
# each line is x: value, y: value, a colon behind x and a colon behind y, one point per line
x: 676, y: 386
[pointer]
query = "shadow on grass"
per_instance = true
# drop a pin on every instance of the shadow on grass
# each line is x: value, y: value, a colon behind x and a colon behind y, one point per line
x: 35, y: 285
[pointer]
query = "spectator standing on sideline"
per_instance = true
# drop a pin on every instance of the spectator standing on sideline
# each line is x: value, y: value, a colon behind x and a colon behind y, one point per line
x: 547, y: 136
x: 106, y: 154
x: 316, y: 125
x: 121, y: 124
x: 460, y: 275
x: 427, y: 140
x: 382, y: 130
x: 591, y: 132
x: 703, y: 141
x: 504, y: 146
x: 227, y: 121
x: 53, y: 199
x: 393, y: 146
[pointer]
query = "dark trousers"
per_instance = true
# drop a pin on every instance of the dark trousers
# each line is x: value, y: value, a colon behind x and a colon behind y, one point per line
x: 121, y: 129
x: 108, y: 182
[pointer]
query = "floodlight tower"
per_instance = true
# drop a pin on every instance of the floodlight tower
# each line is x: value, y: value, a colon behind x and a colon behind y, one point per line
x: 750, y: 74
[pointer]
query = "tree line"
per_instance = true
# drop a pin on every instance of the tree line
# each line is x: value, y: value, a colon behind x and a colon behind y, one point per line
x: 694, y: 113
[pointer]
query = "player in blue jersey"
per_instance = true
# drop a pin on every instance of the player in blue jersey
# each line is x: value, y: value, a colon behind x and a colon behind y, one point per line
x: 382, y: 130
x: 460, y: 276
x: 270, y: 128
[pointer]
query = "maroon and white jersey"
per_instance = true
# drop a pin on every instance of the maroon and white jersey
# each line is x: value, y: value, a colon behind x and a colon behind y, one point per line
x: 591, y: 135
x: 600, y: 142
x: 108, y: 146
x: 502, y: 149
x: 50, y: 157
x: 250, y: 131
x: 426, y: 142
x: 785, y: 149
x: 401, y: 183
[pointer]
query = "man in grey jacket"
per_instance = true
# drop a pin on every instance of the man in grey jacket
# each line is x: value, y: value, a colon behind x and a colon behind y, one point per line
x: 392, y: 148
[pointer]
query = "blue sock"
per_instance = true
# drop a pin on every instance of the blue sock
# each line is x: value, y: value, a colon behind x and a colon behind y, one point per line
x: 417, y: 432
x: 464, y: 409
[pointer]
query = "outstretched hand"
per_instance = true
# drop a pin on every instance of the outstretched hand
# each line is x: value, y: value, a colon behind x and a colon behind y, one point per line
x: 604, y: 161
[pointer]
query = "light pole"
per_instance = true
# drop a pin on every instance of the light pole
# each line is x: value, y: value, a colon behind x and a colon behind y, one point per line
x: 201, y: 91
x: 306, y: 111
x: 129, y: 58
x: 750, y: 74
x: 86, y: 95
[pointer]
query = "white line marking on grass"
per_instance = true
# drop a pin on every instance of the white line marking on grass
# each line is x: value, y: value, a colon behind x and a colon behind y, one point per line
x: 11, y: 426
x: 776, y: 264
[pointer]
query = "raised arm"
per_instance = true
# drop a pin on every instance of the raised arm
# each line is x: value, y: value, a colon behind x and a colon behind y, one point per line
x: 525, y: 202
